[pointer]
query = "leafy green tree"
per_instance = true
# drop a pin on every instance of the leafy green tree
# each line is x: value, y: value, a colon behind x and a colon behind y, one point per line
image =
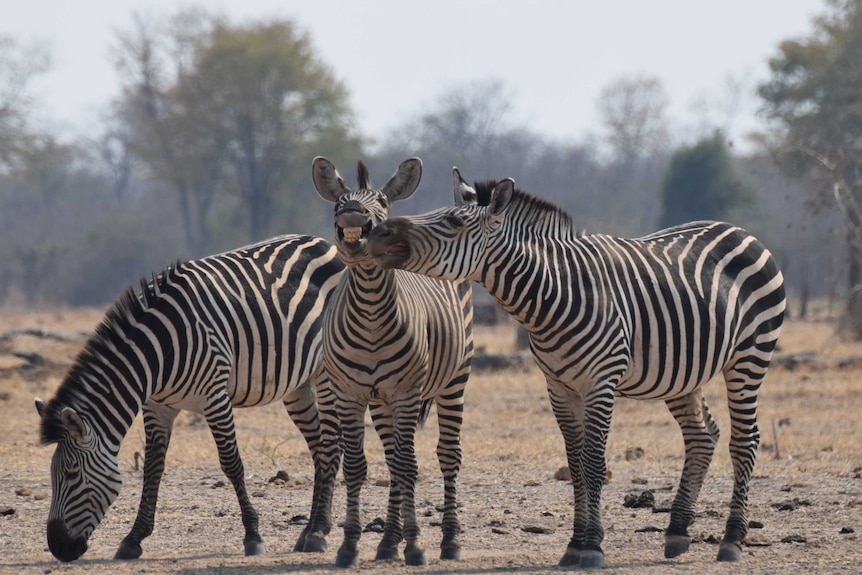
x: 814, y: 101
x: 700, y: 184
x: 231, y: 115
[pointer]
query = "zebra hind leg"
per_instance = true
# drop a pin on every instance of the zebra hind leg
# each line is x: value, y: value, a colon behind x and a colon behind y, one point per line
x: 742, y: 378
x: 450, y: 410
x: 219, y: 416
x: 305, y: 411
x: 158, y: 424
x: 700, y: 434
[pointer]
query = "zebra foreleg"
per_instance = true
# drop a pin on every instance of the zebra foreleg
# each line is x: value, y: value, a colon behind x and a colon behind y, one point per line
x: 219, y: 416
x: 568, y: 410
x: 700, y: 434
x: 352, y: 416
x: 742, y: 388
x: 406, y: 471
x: 303, y: 409
x: 158, y: 424
x: 387, y: 549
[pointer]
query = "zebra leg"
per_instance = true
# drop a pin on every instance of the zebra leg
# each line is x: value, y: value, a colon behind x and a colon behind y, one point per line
x: 219, y: 416
x: 158, y: 424
x: 599, y: 405
x: 700, y: 434
x: 387, y: 549
x: 352, y: 416
x: 568, y: 410
x: 302, y: 407
x: 450, y: 410
x: 742, y: 378
x: 406, y: 471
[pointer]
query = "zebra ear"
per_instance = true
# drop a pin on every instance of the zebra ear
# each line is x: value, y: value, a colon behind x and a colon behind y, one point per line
x: 405, y: 180
x: 501, y: 196
x: 327, y: 181
x: 74, y: 425
x: 40, y: 407
x: 464, y: 194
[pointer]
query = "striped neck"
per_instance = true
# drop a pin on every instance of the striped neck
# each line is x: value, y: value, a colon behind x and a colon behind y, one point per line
x: 372, y: 293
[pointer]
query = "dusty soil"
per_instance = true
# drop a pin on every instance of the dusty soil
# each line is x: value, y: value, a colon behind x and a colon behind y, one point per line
x: 516, y: 515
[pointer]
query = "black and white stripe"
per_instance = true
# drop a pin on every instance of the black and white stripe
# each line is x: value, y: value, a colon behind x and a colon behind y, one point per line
x: 648, y: 318
x: 393, y: 341
x: 238, y: 329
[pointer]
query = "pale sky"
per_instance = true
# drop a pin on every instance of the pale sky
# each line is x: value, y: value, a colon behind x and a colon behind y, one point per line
x: 398, y: 56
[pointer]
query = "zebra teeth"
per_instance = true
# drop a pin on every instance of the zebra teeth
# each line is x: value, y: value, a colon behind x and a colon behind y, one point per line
x: 351, y: 235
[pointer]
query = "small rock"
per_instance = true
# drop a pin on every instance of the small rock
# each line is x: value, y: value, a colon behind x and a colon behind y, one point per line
x: 649, y: 529
x: 499, y: 531
x: 636, y: 501
x: 846, y: 530
x: 563, y: 474
x: 791, y: 504
x: 634, y: 453
x: 639, y: 481
x: 5, y: 396
x: 24, y: 492
x: 376, y: 526
x: 381, y: 482
x: 258, y: 493
x: 298, y: 520
x: 218, y: 484
x: 794, y: 538
x: 532, y: 483
x: 281, y: 476
x: 496, y: 523
x: 712, y: 540
x: 536, y: 529
x: 757, y: 541
x: 4, y: 511
x: 755, y: 524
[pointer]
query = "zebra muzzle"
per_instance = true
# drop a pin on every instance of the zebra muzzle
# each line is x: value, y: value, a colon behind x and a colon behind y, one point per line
x: 62, y: 545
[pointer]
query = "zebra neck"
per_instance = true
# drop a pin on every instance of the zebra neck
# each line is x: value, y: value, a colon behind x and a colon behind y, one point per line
x: 372, y: 293
x: 529, y: 285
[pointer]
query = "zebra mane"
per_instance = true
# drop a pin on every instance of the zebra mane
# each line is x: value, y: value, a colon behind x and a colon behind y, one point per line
x: 120, y: 317
x: 362, y: 175
x: 532, y: 212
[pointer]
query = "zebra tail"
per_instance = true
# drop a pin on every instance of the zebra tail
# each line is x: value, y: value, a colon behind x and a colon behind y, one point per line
x: 425, y: 411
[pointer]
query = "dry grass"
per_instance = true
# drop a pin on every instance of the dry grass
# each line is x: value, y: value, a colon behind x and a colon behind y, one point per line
x: 512, y: 448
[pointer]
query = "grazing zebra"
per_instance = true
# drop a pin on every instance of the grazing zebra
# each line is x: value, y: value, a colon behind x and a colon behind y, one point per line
x: 239, y: 329
x: 394, y: 341
x: 648, y: 318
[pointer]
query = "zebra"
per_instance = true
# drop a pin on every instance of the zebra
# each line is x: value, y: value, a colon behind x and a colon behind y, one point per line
x: 238, y: 329
x: 648, y: 318
x: 394, y: 341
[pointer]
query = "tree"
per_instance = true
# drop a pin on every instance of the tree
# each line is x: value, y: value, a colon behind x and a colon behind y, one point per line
x: 221, y: 110
x: 18, y: 66
x: 700, y: 184
x: 815, y: 105
x: 632, y: 110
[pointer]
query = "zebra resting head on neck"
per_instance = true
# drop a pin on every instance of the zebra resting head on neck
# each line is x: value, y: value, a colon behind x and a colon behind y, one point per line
x: 648, y: 318
x: 237, y: 329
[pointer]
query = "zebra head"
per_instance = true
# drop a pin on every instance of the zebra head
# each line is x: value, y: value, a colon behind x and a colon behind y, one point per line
x: 85, y: 479
x: 447, y: 243
x: 357, y: 212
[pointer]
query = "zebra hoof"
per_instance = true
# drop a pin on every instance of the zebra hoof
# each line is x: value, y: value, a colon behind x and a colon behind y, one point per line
x: 127, y: 551
x: 450, y: 553
x: 592, y: 559
x: 571, y: 558
x: 729, y: 551
x: 253, y: 548
x: 313, y: 543
x: 415, y: 556
x: 346, y: 557
x: 386, y: 553
x: 676, y: 545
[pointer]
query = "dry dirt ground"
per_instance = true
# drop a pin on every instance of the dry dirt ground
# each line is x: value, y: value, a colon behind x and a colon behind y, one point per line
x: 807, y: 488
